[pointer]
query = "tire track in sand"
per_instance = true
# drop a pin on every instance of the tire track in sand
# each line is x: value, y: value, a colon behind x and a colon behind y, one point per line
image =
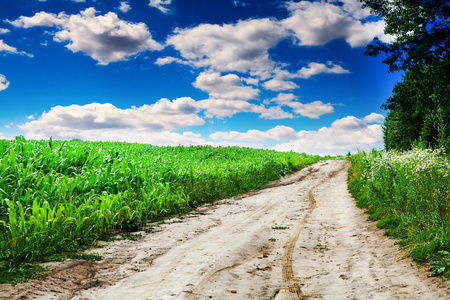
x: 290, y: 283
x: 192, y: 248
x: 197, y: 289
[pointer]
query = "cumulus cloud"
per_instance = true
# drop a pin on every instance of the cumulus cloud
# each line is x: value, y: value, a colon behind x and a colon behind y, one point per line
x: 12, y: 50
x: 345, y: 135
x: 124, y: 6
x: 236, y: 47
x: 105, y: 38
x: 4, y: 31
x: 221, y: 108
x: 161, y: 5
x: 3, y: 82
x: 374, y: 118
x: 279, y: 85
x: 311, y: 110
x: 317, y: 23
x: 164, y: 115
x: 318, y: 68
x: 229, y: 86
x: 278, y: 133
x: 40, y: 19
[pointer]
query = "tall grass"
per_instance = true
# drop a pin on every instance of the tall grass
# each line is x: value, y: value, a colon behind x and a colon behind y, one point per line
x: 408, y: 193
x: 57, y: 197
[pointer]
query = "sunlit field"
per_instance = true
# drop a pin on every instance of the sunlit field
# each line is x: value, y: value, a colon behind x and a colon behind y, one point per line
x: 58, y: 197
x: 408, y: 194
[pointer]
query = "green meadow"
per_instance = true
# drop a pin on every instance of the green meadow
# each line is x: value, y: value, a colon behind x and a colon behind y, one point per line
x: 408, y: 194
x: 58, y: 197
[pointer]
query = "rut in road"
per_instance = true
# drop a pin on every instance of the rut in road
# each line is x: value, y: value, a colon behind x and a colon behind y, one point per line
x: 290, y: 283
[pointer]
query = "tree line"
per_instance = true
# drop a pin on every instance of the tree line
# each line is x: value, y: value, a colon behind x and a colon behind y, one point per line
x: 419, y: 107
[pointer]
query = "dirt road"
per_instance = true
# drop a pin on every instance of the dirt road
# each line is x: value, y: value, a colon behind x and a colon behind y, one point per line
x: 299, y: 238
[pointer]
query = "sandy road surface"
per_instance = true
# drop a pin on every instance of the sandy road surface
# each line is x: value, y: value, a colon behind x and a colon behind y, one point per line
x: 301, y: 238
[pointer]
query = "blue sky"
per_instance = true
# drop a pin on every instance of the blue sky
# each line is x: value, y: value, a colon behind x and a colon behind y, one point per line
x: 284, y: 75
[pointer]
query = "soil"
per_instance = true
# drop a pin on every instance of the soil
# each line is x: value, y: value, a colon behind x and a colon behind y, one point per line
x: 301, y: 237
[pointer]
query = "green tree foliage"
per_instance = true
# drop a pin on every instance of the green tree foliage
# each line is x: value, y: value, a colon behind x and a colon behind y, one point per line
x: 419, y: 108
x: 421, y: 30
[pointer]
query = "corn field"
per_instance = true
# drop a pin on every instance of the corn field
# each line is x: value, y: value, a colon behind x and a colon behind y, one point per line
x: 57, y: 196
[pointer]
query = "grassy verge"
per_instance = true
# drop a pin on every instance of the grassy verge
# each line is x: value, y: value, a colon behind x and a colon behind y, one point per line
x: 408, y: 194
x: 60, y: 197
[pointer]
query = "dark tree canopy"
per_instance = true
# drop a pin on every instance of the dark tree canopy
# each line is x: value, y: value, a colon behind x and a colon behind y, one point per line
x: 419, y: 108
x: 421, y: 29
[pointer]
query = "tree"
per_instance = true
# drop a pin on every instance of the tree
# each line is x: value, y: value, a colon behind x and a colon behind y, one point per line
x: 421, y: 30
x: 419, y: 108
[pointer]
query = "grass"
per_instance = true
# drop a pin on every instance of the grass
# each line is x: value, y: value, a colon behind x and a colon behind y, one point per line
x: 280, y: 227
x: 408, y: 194
x: 61, y: 197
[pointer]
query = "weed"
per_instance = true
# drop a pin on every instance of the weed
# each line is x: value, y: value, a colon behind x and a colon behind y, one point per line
x: 407, y: 193
x: 280, y: 227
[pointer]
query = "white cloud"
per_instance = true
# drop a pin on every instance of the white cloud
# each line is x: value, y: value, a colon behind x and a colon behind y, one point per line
x: 124, y: 6
x: 2, y: 137
x: 40, y: 19
x: 30, y: 117
x: 3, y: 82
x: 278, y: 133
x: 279, y: 85
x: 104, y: 122
x: 345, y: 135
x: 318, y: 68
x: 231, y: 47
x: 6, y: 48
x: 161, y: 5
x: 221, y: 108
x: 105, y: 38
x: 12, y: 50
x: 229, y: 86
x: 311, y: 110
x: 79, y: 1
x: 164, y: 115
x: 374, y: 118
x: 4, y: 31
x: 361, y: 34
x: 317, y: 23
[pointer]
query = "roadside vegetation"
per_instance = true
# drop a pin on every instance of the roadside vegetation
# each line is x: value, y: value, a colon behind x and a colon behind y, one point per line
x: 406, y: 188
x: 408, y: 194
x: 56, y: 198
